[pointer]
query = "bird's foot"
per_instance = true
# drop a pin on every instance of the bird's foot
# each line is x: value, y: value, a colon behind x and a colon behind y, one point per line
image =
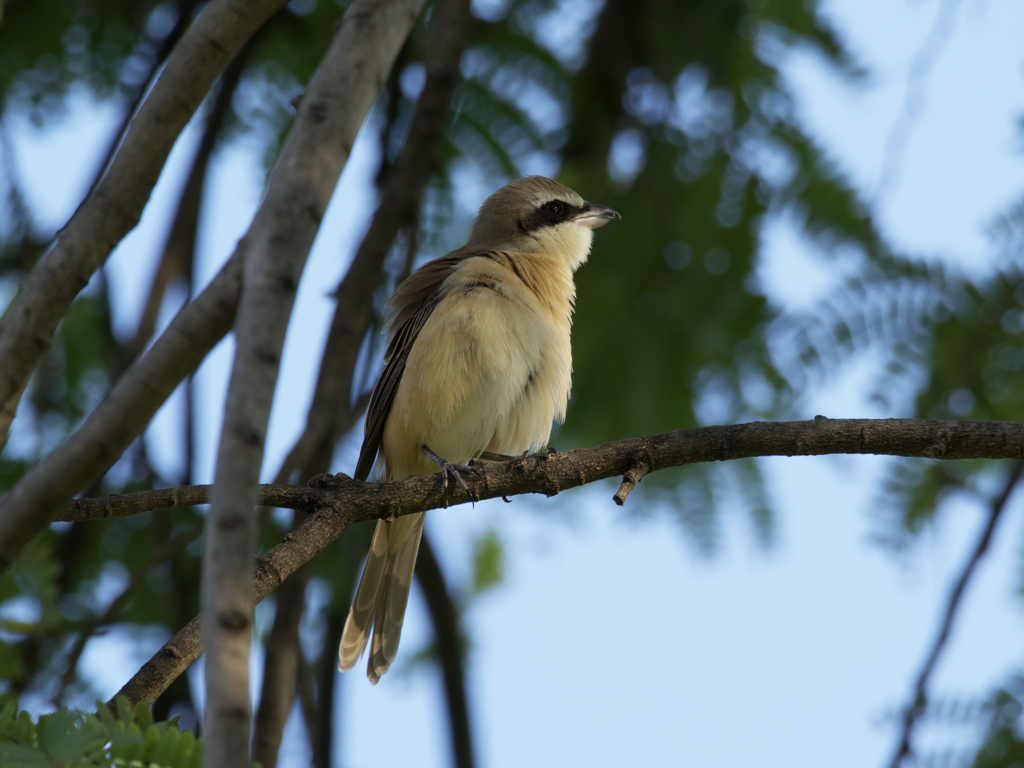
x: 488, y: 456
x: 448, y: 468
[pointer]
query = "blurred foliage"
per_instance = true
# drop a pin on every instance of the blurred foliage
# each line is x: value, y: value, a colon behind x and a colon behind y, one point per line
x: 673, y: 113
x: 1003, y: 746
x: 488, y: 562
x: 72, y: 739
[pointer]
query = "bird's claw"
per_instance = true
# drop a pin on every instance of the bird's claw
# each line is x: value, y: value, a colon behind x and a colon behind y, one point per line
x: 448, y: 468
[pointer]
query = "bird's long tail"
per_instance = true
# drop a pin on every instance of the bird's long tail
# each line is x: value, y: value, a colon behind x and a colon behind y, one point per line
x: 382, y: 595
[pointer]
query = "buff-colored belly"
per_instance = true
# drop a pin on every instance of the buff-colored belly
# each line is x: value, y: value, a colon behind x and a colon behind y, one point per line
x: 485, y: 373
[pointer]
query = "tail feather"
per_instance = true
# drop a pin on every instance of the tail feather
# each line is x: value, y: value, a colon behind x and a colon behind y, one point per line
x: 360, y: 615
x: 382, y: 595
x: 394, y: 593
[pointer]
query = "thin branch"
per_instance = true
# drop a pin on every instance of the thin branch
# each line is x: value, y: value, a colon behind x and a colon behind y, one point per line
x: 339, y: 96
x: 116, y: 205
x: 123, y: 505
x: 450, y: 652
x: 121, y: 416
x: 920, y: 702
x: 179, y: 249
x: 279, y: 670
x: 20, y: 210
x: 913, y: 97
x: 10, y: 408
x: 307, y: 700
x: 631, y: 479
x: 185, y: 11
x: 161, y: 553
x: 341, y: 502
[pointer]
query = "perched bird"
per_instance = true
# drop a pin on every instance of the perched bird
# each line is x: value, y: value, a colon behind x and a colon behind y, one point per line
x: 478, y: 364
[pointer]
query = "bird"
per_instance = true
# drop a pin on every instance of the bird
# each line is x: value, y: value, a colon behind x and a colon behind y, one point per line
x: 477, y: 365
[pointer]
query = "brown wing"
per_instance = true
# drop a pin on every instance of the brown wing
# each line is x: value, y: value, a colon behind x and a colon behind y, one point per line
x: 408, y: 309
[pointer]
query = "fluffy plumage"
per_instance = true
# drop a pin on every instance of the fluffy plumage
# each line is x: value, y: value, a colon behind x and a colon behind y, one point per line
x: 478, y: 360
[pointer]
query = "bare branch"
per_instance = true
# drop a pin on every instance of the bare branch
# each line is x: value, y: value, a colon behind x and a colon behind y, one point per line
x: 279, y: 671
x: 116, y: 205
x: 31, y: 246
x: 914, y: 95
x: 330, y: 114
x: 917, y: 707
x: 159, y: 554
x: 304, y: 683
x: 142, y: 88
x: 122, y: 505
x: 630, y: 480
x: 179, y: 249
x: 121, y: 416
x: 450, y: 652
x: 341, y: 502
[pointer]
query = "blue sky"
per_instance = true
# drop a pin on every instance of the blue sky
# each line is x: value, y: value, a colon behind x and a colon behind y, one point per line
x: 612, y: 640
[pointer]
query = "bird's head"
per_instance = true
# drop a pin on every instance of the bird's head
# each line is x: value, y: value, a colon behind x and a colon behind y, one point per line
x: 536, y: 214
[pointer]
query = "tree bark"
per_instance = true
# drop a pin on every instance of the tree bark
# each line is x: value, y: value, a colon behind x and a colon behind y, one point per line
x: 330, y: 114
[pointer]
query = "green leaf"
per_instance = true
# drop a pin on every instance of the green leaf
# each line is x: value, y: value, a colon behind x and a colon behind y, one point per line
x: 488, y: 562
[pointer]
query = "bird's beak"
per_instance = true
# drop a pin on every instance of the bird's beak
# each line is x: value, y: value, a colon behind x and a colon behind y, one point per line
x: 593, y: 215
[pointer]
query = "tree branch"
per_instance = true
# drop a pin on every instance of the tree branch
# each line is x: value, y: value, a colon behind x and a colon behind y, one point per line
x: 116, y: 205
x: 160, y: 554
x: 450, y: 652
x: 341, y: 502
x: 31, y: 246
x: 279, y: 670
x: 121, y: 416
x: 123, y: 505
x: 179, y: 248
x: 307, y: 701
x: 339, y: 96
x: 917, y: 707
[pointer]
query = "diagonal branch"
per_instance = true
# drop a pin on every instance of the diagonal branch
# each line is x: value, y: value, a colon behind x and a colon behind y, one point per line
x: 160, y: 554
x: 914, y: 94
x: 917, y: 707
x: 333, y: 108
x: 121, y: 416
x: 341, y: 502
x: 179, y: 249
x: 31, y: 245
x: 141, y: 90
x: 116, y: 204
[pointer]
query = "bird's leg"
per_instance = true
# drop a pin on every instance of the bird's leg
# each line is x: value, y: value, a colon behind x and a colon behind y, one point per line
x: 488, y: 456
x: 447, y: 468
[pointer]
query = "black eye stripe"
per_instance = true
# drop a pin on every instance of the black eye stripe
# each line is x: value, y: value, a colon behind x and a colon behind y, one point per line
x: 549, y: 214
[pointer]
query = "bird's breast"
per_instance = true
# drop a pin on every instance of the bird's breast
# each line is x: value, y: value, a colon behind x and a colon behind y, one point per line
x: 491, y: 368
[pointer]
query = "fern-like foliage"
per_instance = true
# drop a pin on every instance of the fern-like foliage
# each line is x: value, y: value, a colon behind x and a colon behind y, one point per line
x: 74, y: 739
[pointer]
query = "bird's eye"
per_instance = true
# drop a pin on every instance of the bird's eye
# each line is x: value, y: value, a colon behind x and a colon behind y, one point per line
x: 555, y: 207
